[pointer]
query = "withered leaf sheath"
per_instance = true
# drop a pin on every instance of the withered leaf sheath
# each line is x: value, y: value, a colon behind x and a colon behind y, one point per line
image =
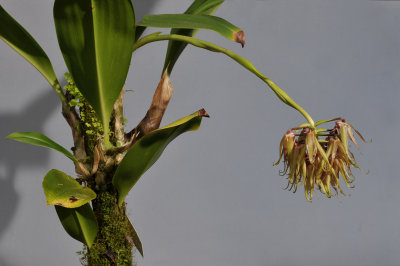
x: 155, y: 113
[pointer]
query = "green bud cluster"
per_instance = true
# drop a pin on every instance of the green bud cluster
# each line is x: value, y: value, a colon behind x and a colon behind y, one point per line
x: 91, y: 125
x: 73, y: 90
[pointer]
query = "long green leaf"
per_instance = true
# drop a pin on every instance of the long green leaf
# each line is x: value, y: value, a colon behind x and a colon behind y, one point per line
x: 95, y: 37
x: 35, y: 138
x: 175, y: 48
x: 62, y: 190
x: 206, y: 7
x: 80, y: 223
x: 147, y: 150
x: 190, y: 21
x: 12, y: 33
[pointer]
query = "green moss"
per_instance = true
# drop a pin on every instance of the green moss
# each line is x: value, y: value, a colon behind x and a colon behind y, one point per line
x: 91, y: 125
x: 111, y: 246
x: 73, y: 90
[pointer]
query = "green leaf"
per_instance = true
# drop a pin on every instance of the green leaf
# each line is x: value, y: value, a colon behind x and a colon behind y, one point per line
x: 62, y: 190
x: 175, y: 48
x: 145, y: 152
x: 190, y: 21
x: 135, y: 238
x: 39, y: 139
x: 12, y: 33
x: 80, y: 223
x: 96, y: 37
x: 206, y: 7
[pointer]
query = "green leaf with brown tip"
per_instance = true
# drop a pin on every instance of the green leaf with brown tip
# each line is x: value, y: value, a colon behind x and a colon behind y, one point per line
x: 38, y: 139
x: 12, y: 33
x: 175, y: 48
x: 146, y: 151
x: 80, y: 223
x: 190, y: 21
x: 96, y: 39
x: 62, y: 190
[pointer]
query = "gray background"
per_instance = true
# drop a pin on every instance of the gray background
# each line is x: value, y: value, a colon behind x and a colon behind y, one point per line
x: 214, y: 197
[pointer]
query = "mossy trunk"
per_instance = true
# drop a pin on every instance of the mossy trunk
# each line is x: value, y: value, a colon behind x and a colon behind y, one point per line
x: 113, y: 244
x: 98, y: 156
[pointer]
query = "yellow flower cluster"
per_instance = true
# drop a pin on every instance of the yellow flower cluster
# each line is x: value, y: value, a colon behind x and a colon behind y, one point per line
x: 310, y: 161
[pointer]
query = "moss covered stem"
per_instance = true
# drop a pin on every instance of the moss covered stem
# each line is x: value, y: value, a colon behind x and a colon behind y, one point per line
x: 113, y: 245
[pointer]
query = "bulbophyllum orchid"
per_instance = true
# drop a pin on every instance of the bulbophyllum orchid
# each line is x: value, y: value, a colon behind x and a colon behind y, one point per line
x: 319, y: 157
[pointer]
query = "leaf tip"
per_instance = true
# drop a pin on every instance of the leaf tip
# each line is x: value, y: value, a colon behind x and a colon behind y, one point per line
x: 202, y: 112
x: 240, y: 37
x: 11, y: 136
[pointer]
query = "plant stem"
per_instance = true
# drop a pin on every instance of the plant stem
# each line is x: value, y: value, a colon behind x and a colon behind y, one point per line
x: 282, y: 95
x: 113, y: 245
x: 58, y: 90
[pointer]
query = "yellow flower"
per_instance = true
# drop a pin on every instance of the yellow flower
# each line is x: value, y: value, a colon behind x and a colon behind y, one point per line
x: 311, y: 162
x: 285, y: 149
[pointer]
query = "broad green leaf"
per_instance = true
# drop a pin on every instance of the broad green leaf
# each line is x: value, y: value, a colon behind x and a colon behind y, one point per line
x: 145, y: 152
x: 175, y: 48
x: 190, y: 21
x: 80, y: 223
x: 35, y: 138
x: 62, y: 190
x: 96, y: 37
x: 12, y: 33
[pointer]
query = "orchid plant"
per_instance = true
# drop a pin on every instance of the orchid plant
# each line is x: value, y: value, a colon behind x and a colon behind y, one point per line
x: 97, y: 39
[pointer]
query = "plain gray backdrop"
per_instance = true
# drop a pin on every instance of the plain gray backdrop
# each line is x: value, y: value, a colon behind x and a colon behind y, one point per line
x: 214, y: 197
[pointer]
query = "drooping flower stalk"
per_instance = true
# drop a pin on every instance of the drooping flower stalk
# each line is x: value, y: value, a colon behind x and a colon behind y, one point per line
x: 308, y: 159
x: 282, y: 95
